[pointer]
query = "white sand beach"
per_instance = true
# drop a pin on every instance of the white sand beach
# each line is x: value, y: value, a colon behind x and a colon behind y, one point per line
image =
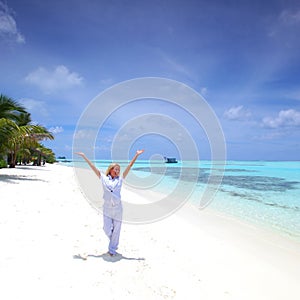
x: 45, y: 222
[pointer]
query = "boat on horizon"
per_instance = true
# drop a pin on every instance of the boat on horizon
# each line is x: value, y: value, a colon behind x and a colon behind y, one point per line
x: 170, y: 160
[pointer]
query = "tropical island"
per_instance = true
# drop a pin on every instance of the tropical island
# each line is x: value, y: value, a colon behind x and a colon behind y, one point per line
x: 20, y: 138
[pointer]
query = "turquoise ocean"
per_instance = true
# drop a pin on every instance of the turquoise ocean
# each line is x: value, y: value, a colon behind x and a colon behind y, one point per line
x: 262, y: 193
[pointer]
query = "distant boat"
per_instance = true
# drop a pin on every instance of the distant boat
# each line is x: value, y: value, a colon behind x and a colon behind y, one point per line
x: 171, y: 160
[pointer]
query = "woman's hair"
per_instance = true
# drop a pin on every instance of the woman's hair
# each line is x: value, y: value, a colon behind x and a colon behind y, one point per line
x: 110, y: 167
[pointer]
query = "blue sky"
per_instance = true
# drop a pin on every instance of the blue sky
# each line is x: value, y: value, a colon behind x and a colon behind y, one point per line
x: 243, y: 57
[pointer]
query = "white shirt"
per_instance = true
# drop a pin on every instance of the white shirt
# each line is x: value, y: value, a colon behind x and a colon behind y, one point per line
x: 111, y: 190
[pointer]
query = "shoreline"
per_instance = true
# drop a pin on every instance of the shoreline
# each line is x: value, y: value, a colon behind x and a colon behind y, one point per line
x: 263, y: 227
x: 45, y: 221
x: 268, y: 221
x: 190, y: 213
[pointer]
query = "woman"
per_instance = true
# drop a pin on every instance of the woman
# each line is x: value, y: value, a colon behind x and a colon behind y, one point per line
x: 112, y: 208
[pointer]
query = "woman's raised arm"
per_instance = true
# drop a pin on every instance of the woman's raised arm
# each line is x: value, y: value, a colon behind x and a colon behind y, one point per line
x: 137, y: 154
x: 97, y: 172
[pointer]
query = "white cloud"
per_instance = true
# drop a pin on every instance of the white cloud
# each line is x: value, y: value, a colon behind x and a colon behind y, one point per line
x: 174, y: 65
x: 286, y: 27
x: 273, y: 135
x: 203, y: 91
x: 180, y: 68
x: 35, y: 106
x: 56, y: 129
x: 8, y: 25
x: 85, y: 134
x: 237, y: 113
x: 290, y: 17
x: 285, y: 118
x: 58, y: 79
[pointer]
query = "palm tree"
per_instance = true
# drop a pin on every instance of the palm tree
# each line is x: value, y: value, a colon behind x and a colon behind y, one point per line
x: 38, y: 134
x: 6, y: 128
x: 43, y: 153
x: 10, y: 112
x: 10, y: 109
x: 24, y: 119
x: 26, y: 138
x: 17, y: 135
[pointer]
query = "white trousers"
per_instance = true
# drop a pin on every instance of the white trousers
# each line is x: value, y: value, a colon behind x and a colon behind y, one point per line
x: 112, y: 221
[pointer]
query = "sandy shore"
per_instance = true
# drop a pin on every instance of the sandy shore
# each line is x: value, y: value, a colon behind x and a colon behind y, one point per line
x: 45, y: 222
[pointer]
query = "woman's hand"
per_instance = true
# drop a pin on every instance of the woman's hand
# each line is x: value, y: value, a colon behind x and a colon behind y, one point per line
x: 80, y: 154
x: 139, y: 152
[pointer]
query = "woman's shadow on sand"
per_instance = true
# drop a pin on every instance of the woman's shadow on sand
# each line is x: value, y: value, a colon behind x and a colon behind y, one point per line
x: 107, y: 257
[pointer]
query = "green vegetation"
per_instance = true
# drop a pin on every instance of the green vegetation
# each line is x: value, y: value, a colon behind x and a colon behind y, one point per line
x: 20, y: 140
